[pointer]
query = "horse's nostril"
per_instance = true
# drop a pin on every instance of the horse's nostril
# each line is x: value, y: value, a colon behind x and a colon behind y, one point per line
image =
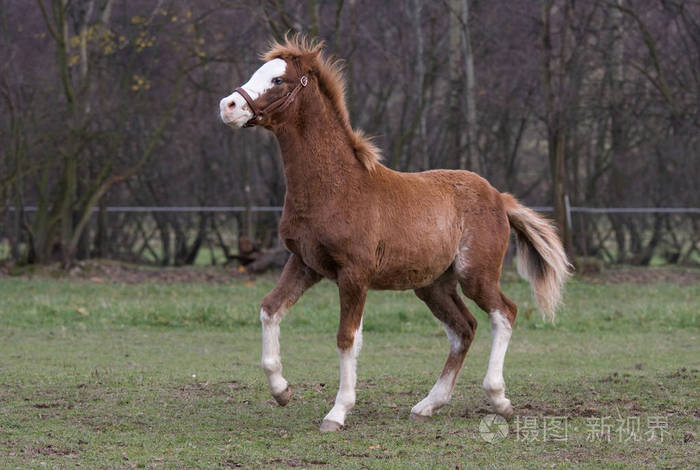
x: 232, y: 104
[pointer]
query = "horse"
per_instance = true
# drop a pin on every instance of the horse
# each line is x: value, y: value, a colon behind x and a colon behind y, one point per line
x: 352, y: 220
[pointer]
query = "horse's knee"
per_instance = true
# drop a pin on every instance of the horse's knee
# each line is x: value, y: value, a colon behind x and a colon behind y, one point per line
x: 271, y: 304
x: 269, y: 318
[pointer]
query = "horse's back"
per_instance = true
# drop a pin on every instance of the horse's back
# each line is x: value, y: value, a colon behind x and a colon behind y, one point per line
x: 471, y: 197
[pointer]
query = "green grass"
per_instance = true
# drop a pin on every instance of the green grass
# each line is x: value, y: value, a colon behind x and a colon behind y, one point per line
x: 167, y: 376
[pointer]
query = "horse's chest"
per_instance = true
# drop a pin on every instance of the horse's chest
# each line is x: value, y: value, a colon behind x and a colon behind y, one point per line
x: 304, y: 242
x: 293, y: 231
x: 314, y: 255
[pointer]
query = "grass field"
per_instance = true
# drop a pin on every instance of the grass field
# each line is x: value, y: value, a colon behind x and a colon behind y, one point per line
x: 102, y: 375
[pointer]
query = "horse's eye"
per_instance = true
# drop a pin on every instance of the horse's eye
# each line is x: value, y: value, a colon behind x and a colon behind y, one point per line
x: 277, y: 81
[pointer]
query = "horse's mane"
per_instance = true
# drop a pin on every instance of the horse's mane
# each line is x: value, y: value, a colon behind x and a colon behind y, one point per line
x: 332, y: 83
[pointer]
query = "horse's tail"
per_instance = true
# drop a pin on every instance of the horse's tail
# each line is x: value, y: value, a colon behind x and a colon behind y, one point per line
x: 541, y: 256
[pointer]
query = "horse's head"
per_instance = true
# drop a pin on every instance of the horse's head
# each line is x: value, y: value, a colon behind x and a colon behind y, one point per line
x: 297, y: 80
x: 271, y: 91
x: 268, y: 84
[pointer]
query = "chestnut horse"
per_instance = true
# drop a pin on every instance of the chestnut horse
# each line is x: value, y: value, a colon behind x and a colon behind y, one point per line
x: 364, y: 226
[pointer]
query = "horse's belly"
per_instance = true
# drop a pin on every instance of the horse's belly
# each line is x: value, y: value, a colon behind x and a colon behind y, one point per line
x: 417, y: 254
x: 412, y: 270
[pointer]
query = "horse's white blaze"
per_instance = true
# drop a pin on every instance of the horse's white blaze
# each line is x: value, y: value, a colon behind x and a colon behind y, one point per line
x: 441, y: 392
x: 494, y: 384
x: 345, y: 399
x: 271, y: 361
x: 234, y: 109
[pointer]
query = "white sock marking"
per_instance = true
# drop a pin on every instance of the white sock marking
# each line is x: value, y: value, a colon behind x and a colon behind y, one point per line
x: 271, y: 361
x: 494, y: 384
x: 345, y: 399
x: 442, y: 390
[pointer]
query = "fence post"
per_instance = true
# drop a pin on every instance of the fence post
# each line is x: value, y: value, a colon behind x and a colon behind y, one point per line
x: 567, y: 207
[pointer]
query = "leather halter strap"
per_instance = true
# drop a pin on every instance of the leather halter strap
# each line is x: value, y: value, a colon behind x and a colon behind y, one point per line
x: 278, y: 105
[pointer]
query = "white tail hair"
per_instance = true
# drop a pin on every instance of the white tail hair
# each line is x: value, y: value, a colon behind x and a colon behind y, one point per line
x: 541, y: 257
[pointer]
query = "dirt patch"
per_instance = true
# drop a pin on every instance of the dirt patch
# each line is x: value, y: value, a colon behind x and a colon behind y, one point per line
x: 99, y: 271
x: 294, y: 463
x: 50, y: 450
x: 65, y: 405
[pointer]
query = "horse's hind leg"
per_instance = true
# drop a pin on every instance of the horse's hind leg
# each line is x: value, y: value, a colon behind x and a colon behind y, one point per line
x: 296, y: 278
x: 444, y: 301
x: 502, y: 312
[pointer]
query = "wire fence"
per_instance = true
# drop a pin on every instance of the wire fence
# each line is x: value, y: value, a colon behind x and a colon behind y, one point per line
x: 166, y: 234
x: 572, y: 209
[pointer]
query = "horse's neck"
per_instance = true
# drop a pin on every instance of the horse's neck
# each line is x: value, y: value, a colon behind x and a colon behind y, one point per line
x: 319, y: 161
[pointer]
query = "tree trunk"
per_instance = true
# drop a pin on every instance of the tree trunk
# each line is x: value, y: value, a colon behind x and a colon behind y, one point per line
x: 556, y: 116
x: 469, y: 95
x: 424, y: 156
x: 616, y: 180
x: 457, y: 134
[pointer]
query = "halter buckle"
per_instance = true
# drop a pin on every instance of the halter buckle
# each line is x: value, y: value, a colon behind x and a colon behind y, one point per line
x: 304, y: 80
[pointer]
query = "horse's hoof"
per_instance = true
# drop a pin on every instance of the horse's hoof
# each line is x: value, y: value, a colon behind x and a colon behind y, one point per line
x: 330, y: 426
x: 283, y: 398
x: 416, y: 418
x: 506, y: 412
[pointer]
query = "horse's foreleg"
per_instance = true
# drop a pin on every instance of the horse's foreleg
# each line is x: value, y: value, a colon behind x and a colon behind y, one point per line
x: 460, y: 325
x: 296, y: 278
x: 352, y: 301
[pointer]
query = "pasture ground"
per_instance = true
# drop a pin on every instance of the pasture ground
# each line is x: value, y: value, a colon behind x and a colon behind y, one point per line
x: 154, y: 375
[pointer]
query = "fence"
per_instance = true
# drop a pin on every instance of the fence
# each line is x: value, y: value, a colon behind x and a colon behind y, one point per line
x: 158, y: 233
x: 570, y: 209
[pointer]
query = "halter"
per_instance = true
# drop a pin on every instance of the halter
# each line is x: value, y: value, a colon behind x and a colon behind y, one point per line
x: 279, y: 104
